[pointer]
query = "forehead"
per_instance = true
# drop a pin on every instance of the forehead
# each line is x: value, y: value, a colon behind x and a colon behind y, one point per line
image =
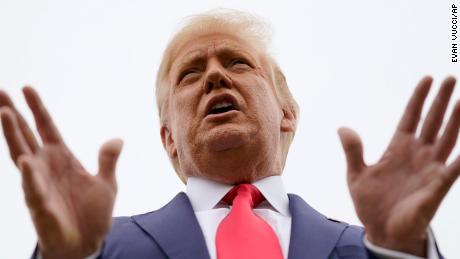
x: 211, y: 44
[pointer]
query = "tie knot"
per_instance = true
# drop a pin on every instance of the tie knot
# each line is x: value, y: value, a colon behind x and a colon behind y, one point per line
x: 246, y: 193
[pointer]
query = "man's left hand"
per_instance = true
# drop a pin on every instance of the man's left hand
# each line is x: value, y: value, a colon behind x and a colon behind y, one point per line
x: 397, y: 197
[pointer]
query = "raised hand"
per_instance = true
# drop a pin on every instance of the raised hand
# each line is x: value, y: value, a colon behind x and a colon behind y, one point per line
x: 397, y: 197
x: 70, y: 208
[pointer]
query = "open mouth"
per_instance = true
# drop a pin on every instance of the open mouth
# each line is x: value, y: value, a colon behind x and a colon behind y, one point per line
x: 222, y: 107
x: 221, y: 104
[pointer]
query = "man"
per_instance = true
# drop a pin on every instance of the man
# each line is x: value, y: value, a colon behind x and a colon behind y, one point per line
x: 227, y: 120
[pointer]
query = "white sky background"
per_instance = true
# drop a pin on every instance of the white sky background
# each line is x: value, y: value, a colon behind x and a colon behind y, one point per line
x: 352, y: 63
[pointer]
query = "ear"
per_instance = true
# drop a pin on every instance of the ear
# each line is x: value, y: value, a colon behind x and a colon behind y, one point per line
x: 168, y: 141
x: 288, y: 121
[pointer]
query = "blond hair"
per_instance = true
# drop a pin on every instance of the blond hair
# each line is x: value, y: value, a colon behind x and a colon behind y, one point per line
x: 225, y: 21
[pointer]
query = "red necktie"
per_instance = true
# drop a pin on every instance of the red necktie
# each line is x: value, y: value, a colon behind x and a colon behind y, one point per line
x: 242, y: 234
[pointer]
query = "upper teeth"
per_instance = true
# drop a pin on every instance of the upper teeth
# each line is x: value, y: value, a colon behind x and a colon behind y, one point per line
x: 222, y: 104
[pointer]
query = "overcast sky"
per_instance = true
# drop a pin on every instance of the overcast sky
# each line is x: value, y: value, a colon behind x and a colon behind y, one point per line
x: 348, y: 63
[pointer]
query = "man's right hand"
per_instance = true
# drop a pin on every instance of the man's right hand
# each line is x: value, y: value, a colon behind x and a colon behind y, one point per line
x: 70, y: 208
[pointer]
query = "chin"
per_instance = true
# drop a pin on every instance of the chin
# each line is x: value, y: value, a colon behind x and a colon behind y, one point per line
x: 233, y: 154
x: 226, y: 139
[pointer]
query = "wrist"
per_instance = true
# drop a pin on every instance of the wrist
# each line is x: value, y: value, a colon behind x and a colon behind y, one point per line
x: 69, y: 253
x: 411, y: 245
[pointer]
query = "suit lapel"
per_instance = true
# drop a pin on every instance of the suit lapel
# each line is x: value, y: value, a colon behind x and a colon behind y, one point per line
x: 175, y: 228
x: 312, y: 234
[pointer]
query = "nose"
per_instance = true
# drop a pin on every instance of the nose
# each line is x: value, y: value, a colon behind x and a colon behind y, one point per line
x: 216, y: 77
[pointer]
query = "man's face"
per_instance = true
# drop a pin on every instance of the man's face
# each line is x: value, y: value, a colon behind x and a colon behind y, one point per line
x: 224, y: 121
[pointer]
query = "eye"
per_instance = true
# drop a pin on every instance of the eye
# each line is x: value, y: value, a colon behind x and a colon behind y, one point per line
x: 239, y: 65
x: 187, y: 74
x: 238, y: 62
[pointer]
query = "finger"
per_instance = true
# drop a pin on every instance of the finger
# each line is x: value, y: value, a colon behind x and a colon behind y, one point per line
x: 452, y: 172
x: 411, y: 115
x: 108, y: 156
x: 446, y: 142
x: 33, y: 188
x: 353, y: 149
x: 16, y: 142
x: 435, y: 116
x: 28, y: 134
x: 45, y: 126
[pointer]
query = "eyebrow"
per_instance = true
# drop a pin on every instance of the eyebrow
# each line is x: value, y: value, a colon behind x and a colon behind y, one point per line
x: 196, y: 56
x: 191, y: 58
x: 230, y: 49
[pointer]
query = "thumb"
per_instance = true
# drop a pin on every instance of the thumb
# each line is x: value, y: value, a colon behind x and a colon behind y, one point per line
x: 353, y: 148
x: 108, y: 156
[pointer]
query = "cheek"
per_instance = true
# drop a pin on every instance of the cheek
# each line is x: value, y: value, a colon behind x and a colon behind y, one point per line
x: 184, y: 103
x: 263, y: 102
x: 184, y: 108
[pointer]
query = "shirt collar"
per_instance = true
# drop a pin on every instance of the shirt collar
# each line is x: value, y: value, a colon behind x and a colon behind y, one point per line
x: 205, y: 194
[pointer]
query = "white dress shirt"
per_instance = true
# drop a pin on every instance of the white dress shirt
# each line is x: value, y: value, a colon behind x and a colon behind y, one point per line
x: 206, y: 195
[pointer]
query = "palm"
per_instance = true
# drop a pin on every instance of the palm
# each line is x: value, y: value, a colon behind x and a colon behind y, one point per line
x: 397, y: 197
x: 400, y: 183
x: 71, y: 208
x: 74, y: 198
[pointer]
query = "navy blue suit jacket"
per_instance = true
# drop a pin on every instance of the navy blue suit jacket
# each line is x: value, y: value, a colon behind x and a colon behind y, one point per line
x: 173, y: 232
